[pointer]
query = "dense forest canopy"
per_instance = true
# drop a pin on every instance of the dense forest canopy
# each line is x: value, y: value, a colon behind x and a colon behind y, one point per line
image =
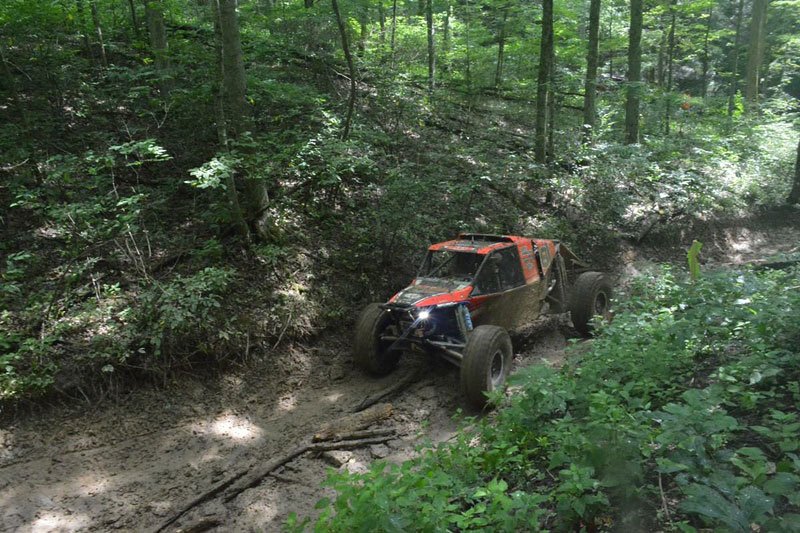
x: 195, y: 182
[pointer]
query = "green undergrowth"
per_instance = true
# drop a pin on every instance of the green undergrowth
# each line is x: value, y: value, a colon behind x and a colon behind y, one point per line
x: 681, y: 415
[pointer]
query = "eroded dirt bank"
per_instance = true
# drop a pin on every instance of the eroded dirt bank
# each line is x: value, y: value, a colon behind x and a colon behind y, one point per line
x: 133, y: 464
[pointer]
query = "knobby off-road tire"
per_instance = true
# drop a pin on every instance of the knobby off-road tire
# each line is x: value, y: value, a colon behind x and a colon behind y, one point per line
x: 591, y: 296
x: 369, y: 351
x: 486, y: 363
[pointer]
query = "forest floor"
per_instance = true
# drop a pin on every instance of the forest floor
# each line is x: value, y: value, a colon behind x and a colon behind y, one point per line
x: 132, y: 462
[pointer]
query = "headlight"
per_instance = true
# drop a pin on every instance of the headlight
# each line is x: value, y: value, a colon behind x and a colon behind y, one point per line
x: 423, y: 315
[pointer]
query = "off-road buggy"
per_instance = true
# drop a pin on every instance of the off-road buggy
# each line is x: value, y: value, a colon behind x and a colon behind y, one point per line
x: 469, y: 293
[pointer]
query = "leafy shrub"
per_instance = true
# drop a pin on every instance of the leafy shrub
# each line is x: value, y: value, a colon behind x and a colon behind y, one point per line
x: 689, y: 392
x: 182, y: 317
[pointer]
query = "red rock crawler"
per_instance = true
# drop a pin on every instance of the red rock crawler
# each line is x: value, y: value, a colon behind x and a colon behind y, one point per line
x: 469, y: 293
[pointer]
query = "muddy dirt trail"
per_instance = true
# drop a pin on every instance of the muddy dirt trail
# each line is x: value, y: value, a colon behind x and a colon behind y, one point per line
x: 133, y: 464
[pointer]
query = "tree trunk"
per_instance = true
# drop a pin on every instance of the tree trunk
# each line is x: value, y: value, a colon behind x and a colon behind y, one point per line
x: 134, y: 18
x: 590, y: 84
x: 98, y: 28
x: 154, y: 14
x: 670, y: 59
x: 446, y: 29
x: 82, y: 23
x: 734, y: 88
x: 236, y: 107
x: 704, y: 89
x: 394, y: 29
x: 543, y: 89
x: 755, y: 54
x: 468, y: 46
x: 222, y: 127
x: 551, y: 126
x: 234, y: 80
x: 662, y: 51
x: 361, y: 46
x: 382, y: 23
x: 794, y: 196
x: 431, y: 47
x: 351, y: 101
x: 634, y: 74
x: 501, y: 44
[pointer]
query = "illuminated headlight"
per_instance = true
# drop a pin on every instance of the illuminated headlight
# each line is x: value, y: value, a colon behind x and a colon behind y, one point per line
x: 424, y: 315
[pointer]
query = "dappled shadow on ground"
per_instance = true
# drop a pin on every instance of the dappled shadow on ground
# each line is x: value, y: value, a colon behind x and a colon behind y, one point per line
x: 730, y: 240
x: 136, y: 464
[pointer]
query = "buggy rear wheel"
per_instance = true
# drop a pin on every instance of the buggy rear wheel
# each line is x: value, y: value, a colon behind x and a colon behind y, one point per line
x: 591, y: 296
x: 486, y: 363
x: 370, y: 352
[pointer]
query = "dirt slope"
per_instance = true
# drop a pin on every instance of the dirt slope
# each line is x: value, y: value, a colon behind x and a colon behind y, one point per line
x: 132, y: 465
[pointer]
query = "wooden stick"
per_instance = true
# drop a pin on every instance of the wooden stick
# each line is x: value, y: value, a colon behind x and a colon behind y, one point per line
x: 348, y: 431
x: 354, y: 422
x: 400, y: 385
x: 216, y: 489
x: 664, y: 499
x: 355, y: 435
x: 256, y: 478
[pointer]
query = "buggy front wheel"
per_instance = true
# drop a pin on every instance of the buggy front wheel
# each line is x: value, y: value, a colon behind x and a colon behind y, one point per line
x: 485, y: 364
x: 370, y: 352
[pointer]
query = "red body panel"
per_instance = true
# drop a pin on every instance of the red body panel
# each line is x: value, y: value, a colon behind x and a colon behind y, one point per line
x: 536, y: 257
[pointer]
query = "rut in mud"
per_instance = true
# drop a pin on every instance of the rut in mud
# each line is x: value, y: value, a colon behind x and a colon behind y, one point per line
x: 134, y: 464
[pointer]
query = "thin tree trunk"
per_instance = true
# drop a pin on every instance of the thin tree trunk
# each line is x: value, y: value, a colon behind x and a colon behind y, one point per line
x: 755, y: 54
x: 99, y: 32
x: 590, y: 83
x: 82, y: 23
x: 234, y: 79
x: 734, y: 88
x: 670, y: 58
x: 551, y: 126
x: 610, y: 55
x: 501, y: 44
x: 351, y: 101
x: 361, y: 46
x: 237, y: 108
x: 543, y: 89
x: 446, y: 29
x: 468, y: 46
x: 222, y: 127
x: 156, y: 29
x: 394, y: 29
x: 794, y: 196
x: 431, y: 46
x: 662, y: 52
x: 134, y: 18
x: 704, y: 89
x: 382, y: 23
x: 634, y: 74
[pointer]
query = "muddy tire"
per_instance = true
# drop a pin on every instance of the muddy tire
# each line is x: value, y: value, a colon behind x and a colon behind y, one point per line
x: 486, y: 363
x: 591, y: 296
x: 370, y: 353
